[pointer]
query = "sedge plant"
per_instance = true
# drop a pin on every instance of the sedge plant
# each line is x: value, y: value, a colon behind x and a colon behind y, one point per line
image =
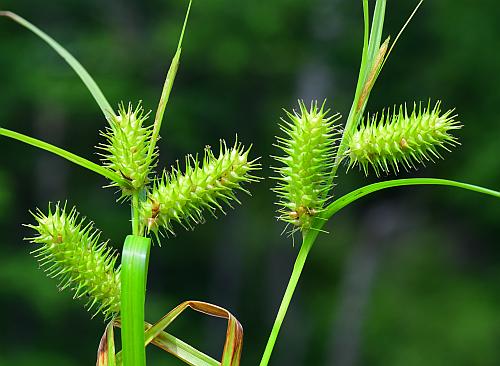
x: 70, y: 249
x: 314, y: 148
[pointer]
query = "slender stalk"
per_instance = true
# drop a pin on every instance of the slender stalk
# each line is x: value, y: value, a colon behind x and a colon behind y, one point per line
x: 311, y: 235
x: 309, y: 239
x: 135, y: 214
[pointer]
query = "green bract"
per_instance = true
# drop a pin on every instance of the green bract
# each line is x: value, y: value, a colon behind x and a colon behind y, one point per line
x: 69, y: 249
x: 401, y: 138
x: 304, y: 178
x: 126, y: 150
x: 183, y: 196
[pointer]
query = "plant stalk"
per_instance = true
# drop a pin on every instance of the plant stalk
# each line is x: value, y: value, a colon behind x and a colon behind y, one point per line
x: 135, y: 214
x: 307, y: 243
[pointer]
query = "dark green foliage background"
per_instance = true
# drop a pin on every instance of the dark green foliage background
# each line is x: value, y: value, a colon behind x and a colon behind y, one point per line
x: 406, y: 277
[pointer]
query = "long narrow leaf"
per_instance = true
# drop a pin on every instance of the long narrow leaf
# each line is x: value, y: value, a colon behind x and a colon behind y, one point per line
x: 167, y: 88
x: 134, y: 270
x: 183, y: 351
x: 343, y: 201
x: 371, y: 49
x: 375, y: 58
x: 401, y: 31
x: 232, y: 346
x: 377, y: 29
x: 234, y: 334
x: 62, y: 153
x: 73, y: 62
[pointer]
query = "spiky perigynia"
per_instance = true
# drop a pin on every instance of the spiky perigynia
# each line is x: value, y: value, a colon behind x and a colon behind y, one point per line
x: 126, y: 149
x: 304, y: 178
x: 402, y: 138
x: 183, y: 196
x: 69, y: 249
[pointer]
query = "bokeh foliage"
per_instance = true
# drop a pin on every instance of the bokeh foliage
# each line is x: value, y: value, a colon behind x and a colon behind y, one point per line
x: 401, y: 279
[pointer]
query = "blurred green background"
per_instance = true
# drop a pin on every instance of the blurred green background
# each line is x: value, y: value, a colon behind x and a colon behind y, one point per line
x: 405, y: 277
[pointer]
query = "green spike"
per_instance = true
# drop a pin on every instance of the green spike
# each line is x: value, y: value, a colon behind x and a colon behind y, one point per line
x: 303, y: 180
x: 71, y: 252
x: 182, y: 197
x: 402, y: 139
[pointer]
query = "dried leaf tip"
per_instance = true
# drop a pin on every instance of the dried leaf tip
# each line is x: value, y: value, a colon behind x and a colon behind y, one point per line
x: 69, y: 249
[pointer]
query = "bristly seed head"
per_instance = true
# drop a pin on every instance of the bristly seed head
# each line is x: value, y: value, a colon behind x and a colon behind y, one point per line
x: 126, y: 150
x: 400, y: 138
x: 183, y: 196
x: 304, y: 180
x: 70, y: 250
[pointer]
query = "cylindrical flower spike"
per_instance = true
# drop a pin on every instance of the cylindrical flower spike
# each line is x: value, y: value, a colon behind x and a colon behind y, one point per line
x: 183, y: 196
x: 126, y: 150
x: 69, y: 249
x: 402, y: 139
x: 304, y: 180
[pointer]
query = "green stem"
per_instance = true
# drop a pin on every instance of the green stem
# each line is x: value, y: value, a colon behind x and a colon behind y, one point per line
x: 134, y: 271
x: 306, y: 246
x: 311, y: 235
x: 135, y: 214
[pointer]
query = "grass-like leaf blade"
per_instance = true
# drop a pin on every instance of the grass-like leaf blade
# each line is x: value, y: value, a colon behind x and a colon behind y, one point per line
x: 167, y: 88
x: 345, y: 200
x: 62, y: 153
x: 232, y: 346
x: 134, y: 268
x: 73, y: 62
x: 182, y: 350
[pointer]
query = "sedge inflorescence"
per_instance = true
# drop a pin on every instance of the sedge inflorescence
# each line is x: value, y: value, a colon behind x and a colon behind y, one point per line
x: 402, y: 138
x: 126, y: 149
x: 70, y: 250
x: 305, y: 175
x: 182, y: 196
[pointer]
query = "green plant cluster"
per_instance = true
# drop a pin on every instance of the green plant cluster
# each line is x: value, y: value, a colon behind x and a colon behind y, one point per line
x: 314, y: 148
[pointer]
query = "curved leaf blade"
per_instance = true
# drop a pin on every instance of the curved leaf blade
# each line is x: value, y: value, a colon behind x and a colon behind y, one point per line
x: 232, y: 346
x: 63, y: 153
x: 182, y: 350
x: 345, y: 200
x: 234, y: 334
x: 72, y: 61
x: 176, y: 347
